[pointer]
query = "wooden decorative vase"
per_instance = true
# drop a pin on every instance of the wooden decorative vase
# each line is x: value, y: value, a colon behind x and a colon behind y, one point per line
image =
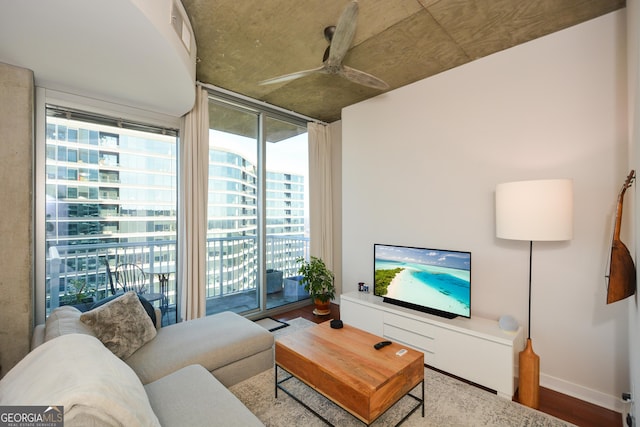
x: 529, y: 381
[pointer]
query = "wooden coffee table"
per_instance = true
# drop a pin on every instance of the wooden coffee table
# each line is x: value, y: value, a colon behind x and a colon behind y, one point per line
x: 343, y: 365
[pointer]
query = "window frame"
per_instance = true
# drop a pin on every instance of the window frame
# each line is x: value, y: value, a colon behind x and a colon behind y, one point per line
x: 44, y: 96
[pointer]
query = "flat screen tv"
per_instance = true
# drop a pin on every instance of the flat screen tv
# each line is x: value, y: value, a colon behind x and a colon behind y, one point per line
x: 433, y: 281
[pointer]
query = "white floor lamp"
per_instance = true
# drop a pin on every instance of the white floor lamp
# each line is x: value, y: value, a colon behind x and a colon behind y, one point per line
x: 533, y: 210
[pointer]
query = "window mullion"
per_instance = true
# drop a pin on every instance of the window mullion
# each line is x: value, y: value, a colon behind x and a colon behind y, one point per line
x: 262, y: 212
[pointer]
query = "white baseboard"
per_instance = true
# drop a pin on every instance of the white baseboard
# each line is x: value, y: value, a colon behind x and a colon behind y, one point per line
x: 607, y: 401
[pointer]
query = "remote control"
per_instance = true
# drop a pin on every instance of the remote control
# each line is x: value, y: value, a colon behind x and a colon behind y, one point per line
x: 381, y: 344
x: 401, y: 352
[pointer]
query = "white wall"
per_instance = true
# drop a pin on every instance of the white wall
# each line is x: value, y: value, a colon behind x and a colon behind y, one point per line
x: 420, y: 166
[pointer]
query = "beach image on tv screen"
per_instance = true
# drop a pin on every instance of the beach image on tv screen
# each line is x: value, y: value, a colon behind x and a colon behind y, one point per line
x: 432, y: 278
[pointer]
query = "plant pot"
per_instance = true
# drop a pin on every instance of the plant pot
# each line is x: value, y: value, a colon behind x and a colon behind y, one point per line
x: 83, y: 305
x: 322, y: 308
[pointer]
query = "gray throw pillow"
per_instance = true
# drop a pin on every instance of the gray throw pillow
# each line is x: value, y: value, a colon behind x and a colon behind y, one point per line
x: 145, y: 304
x: 122, y: 324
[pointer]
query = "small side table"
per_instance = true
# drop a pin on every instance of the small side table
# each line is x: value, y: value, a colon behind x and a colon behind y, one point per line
x: 163, y: 271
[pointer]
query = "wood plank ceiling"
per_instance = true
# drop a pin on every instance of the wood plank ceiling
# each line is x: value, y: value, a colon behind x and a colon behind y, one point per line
x: 400, y: 41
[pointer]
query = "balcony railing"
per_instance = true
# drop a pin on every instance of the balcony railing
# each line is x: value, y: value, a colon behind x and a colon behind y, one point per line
x: 232, y: 265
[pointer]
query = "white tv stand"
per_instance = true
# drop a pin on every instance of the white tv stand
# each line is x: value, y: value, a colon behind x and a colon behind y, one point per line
x: 475, y: 349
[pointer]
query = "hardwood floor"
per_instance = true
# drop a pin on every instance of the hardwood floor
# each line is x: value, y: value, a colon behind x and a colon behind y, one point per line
x: 559, y: 405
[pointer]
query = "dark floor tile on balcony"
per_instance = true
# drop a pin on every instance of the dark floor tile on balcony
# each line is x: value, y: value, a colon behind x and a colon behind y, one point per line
x: 244, y: 301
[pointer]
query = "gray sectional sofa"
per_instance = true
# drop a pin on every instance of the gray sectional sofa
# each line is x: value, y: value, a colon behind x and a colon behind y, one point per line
x: 179, y: 377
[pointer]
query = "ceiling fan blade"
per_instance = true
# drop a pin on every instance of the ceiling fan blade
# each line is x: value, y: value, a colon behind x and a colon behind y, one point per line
x: 363, y: 78
x: 343, y: 36
x: 292, y: 76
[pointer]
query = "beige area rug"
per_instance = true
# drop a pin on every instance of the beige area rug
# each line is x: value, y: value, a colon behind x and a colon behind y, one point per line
x: 448, y: 402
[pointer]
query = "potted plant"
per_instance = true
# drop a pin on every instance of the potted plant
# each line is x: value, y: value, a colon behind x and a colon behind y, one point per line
x: 318, y: 281
x: 80, y: 296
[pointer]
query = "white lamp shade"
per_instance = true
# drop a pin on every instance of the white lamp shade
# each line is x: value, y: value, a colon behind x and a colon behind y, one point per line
x: 539, y: 210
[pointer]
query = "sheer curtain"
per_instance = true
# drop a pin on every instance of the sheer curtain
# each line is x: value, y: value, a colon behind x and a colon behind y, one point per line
x: 320, y: 193
x: 192, y: 221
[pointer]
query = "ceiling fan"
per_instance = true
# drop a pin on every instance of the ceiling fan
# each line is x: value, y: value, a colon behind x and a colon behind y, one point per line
x: 340, y: 38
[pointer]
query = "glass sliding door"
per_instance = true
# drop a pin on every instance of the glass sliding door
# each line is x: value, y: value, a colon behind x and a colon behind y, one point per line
x: 287, y: 216
x: 232, y: 231
x: 257, y: 208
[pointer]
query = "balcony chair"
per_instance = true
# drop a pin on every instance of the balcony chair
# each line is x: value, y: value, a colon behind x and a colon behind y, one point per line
x: 110, y: 281
x: 131, y: 277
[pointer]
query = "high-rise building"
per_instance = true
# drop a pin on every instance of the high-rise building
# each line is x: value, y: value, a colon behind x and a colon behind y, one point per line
x: 111, y: 196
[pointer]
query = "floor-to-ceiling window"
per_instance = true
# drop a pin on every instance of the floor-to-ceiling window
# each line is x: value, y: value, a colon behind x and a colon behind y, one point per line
x: 107, y: 195
x: 257, y: 207
x: 110, y: 198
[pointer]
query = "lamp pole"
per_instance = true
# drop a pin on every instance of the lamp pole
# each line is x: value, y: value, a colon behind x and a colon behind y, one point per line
x: 530, y: 258
x: 529, y: 361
